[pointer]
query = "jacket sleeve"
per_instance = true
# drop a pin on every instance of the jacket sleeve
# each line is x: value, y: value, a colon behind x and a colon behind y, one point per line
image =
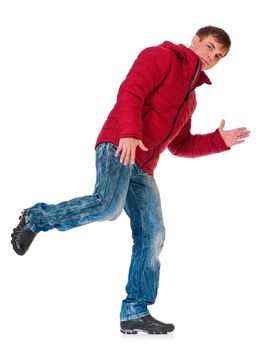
x: 192, y: 146
x: 148, y: 71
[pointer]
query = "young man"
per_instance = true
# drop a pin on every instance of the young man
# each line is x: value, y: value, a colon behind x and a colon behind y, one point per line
x: 153, y: 112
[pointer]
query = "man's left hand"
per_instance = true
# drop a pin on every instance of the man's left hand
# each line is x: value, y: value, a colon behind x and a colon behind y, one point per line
x: 233, y: 137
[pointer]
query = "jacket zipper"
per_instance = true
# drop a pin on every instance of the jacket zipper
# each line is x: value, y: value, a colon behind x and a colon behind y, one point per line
x: 177, y: 114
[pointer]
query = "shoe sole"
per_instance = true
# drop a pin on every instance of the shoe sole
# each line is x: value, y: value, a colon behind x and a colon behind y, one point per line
x: 136, y: 331
x: 17, y: 251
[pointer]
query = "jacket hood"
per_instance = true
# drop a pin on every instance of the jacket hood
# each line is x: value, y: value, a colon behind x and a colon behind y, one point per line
x: 188, y: 56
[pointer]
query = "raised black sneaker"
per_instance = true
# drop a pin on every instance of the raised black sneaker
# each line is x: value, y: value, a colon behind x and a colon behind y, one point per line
x: 146, y: 324
x: 22, y: 236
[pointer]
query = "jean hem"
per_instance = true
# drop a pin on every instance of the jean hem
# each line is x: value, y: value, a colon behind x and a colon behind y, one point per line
x: 133, y: 317
x: 30, y: 226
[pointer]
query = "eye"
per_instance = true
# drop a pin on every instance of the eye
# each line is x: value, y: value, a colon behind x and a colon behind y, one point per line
x: 210, y: 47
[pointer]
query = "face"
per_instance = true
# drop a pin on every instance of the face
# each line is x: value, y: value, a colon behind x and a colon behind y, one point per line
x: 209, y: 51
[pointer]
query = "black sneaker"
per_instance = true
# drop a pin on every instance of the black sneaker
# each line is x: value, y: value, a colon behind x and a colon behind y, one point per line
x: 147, y: 324
x: 22, y: 236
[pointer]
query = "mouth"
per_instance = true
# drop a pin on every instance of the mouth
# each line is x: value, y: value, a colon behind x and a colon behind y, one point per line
x: 204, y: 61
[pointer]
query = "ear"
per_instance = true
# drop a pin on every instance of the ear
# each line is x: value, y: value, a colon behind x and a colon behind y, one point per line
x: 195, y: 40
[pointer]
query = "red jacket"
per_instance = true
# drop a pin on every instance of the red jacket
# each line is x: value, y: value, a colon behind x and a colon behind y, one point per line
x: 155, y: 104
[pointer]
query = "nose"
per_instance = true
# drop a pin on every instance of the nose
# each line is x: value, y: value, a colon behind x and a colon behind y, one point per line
x: 209, y: 55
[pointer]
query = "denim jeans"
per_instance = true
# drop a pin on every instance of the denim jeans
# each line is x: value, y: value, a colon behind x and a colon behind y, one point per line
x: 117, y: 187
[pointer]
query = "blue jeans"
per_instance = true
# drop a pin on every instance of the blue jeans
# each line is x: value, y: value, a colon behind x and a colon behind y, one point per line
x: 117, y: 187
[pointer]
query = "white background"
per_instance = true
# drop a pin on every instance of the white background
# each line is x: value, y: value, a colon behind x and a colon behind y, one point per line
x: 61, y: 64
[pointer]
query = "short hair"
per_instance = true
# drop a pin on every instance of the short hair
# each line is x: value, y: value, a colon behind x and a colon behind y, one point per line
x: 219, y: 34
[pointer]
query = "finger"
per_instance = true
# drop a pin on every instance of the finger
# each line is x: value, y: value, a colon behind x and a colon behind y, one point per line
x: 127, y: 158
x: 222, y: 124
x: 245, y: 132
x: 118, y: 150
x: 239, y: 130
x: 132, y: 156
x: 242, y: 129
x: 242, y: 136
x: 142, y: 146
x: 123, y: 155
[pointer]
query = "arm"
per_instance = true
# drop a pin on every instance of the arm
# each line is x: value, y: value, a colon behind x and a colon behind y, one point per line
x: 188, y: 145
x: 147, y: 72
x: 192, y: 146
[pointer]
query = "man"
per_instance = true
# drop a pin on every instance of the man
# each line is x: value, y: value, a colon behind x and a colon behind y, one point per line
x: 153, y: 112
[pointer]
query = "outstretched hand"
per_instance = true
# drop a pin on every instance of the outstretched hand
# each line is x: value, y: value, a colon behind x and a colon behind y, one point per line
x: 127, y: 148
x: 233, y: 137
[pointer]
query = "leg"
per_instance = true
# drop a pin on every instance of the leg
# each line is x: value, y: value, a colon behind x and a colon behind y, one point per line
x: 106, y: 203
x: 144, y: 209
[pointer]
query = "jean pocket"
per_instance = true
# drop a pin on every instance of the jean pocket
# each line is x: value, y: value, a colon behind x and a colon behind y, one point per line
x: 114, y: 147
x: 111, y: 149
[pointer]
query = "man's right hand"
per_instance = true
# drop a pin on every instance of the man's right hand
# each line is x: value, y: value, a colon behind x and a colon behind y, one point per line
x: 127, y: 149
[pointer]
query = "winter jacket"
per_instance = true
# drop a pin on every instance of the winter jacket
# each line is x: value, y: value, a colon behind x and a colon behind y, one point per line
x: 155, y: 104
